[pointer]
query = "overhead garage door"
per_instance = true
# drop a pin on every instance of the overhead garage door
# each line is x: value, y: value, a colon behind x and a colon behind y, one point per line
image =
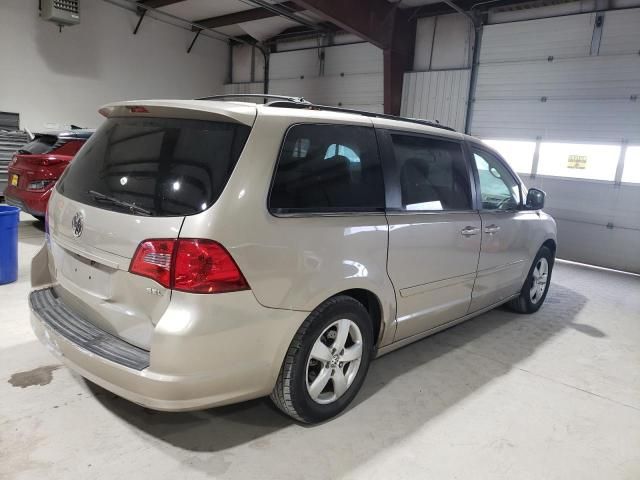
x: 560, y: 98
x: 349, y: 76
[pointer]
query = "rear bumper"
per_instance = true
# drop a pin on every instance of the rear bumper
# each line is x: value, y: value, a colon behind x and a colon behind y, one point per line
x: 51, y: 310
x: 191, y: 365
x: 33, y: 203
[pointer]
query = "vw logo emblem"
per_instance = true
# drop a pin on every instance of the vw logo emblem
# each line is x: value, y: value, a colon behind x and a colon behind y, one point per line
x: 77, y: 224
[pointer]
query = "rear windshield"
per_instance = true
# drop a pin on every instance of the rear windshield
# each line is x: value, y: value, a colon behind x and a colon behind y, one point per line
x: 155, y: 166
x: 40, y: 145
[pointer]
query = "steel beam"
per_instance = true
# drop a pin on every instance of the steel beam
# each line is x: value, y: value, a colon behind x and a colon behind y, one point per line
x: 159, y: 3
x: 245, y: 16
x: 193, y: 42
x: 384, y: 25
x: 142, y: 15
x: 281, y: 11
x: 371, y: 20
x: 398, y: 59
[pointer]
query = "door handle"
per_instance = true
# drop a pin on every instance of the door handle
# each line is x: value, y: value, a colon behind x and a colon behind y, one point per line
x: 491, y: 229
x: 469, y: 231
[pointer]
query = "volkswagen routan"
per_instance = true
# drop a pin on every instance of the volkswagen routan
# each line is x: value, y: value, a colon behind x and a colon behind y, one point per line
x: 205, y: 252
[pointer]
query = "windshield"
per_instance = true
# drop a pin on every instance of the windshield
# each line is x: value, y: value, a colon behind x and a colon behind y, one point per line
x: 163, y: 166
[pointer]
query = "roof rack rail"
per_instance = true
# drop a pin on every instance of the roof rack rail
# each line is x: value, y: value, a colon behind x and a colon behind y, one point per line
x: 280, y: 98
x: 328, y: 108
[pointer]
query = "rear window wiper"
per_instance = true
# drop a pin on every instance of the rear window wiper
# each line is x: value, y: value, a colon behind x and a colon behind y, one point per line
x: 121, y: 203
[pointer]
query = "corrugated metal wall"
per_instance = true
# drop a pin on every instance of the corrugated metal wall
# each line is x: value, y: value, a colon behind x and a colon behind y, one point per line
x: 440, y: 95
x: 438, y: 89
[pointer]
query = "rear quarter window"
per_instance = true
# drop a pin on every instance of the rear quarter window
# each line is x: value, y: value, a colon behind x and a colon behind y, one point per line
x: 328, y: 168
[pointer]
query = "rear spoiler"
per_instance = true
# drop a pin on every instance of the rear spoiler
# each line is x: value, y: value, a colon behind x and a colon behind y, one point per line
x: 190, y: 109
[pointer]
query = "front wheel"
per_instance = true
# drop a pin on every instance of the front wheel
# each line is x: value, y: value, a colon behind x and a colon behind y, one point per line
x: 536, y: 286
x: 327, y: 361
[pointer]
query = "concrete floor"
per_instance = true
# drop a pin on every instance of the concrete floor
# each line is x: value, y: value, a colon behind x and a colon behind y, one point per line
x: 552, y: 395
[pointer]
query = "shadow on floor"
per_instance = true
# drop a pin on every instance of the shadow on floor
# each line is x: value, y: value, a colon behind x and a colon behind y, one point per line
x: 32, y: 225
x: 417, y: 383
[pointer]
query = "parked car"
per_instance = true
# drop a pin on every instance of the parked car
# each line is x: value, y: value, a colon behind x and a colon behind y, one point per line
x: 202, y: 253
x: 36, y: 167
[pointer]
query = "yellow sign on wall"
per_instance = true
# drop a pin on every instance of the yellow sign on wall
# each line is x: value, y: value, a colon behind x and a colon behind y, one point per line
x: 577, y: 161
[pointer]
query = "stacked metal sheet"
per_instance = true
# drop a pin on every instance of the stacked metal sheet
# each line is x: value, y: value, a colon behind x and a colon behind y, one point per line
x: 10, y: 141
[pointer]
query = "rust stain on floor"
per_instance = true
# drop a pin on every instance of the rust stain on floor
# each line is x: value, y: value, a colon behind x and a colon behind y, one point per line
x: 38, y: 376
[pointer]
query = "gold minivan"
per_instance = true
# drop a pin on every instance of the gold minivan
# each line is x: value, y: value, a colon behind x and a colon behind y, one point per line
x: 205, y: 252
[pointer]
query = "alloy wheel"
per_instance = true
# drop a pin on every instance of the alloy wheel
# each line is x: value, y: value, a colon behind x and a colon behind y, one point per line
x: 334, y: 361
x: 540, y: 277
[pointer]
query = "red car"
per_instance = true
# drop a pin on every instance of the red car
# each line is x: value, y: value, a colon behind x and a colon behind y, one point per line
x: 34, y: 169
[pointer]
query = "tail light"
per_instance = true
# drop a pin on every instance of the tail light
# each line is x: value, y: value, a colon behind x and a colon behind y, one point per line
x: 45, y: 162
x: 39, y: 185
x: 153, y: 259
x: 137, y: 109
x: 50, y: 161
x: 41, y: 160
x: 189, y: 265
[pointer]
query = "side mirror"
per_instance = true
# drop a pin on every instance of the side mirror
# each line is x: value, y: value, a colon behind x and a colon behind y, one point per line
x: 535, y: 199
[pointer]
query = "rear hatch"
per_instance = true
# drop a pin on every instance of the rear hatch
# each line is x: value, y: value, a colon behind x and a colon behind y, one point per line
x: 45, y: 157
x: 29, y: 158
x: 147, y: 167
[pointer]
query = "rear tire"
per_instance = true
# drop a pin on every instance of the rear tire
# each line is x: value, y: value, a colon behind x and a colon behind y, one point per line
x: 535, y: 288
x: 327, y: 361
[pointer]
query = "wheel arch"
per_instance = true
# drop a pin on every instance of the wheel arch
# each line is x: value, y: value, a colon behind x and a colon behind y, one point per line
x: 372, y: 304
x: 550, y: 243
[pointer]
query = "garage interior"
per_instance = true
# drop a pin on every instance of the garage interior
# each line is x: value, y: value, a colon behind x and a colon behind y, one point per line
x: 552, y: 85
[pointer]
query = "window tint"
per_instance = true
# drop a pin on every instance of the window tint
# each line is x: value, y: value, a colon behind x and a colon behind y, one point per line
x: 433, y: 173
x: 168, y: 167
x: 328, y: 168
x: 498, y: 188
x: 40, y: 145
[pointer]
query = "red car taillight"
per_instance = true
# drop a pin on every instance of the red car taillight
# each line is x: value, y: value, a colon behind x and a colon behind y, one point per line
x: 46, y: 161
x: 42, y: 160
x: 189, y: 265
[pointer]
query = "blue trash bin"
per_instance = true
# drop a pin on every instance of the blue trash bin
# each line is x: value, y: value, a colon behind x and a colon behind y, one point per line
x: 9, y: 219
